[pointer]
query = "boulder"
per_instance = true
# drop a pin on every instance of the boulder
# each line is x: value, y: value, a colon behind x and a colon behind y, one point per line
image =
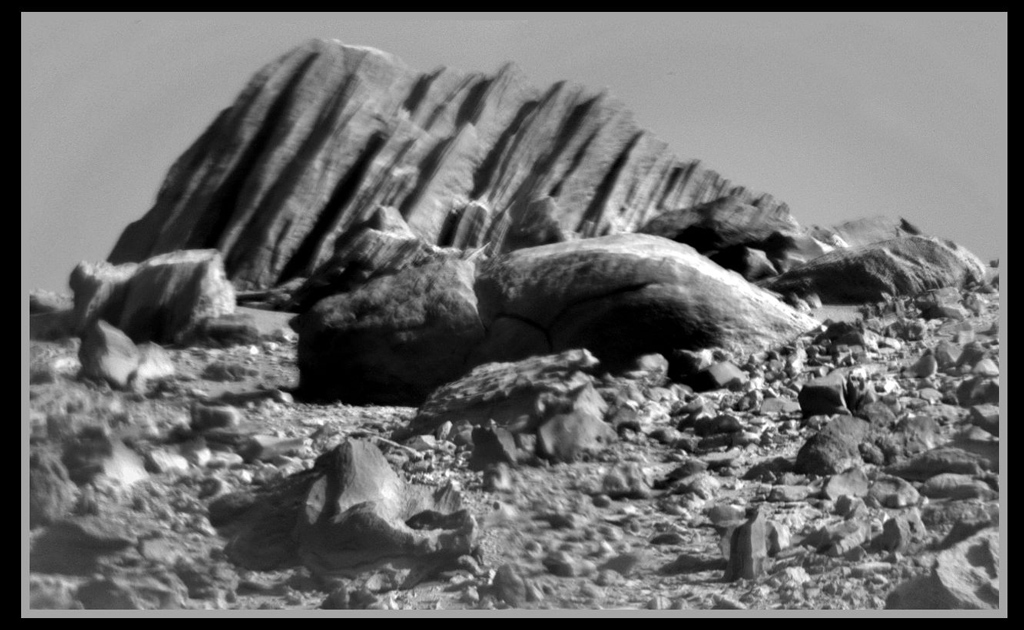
x: 835, y: 448
x: 591, y: 294
x: 169, y: 295
x: 162, y: 299
x: 393, y: 340
x: 964, y: 577
x: 899, y: 267
x: 350, y: 515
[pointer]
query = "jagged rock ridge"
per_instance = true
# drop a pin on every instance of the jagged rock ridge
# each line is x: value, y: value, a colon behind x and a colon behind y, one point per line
x: 327, y: 134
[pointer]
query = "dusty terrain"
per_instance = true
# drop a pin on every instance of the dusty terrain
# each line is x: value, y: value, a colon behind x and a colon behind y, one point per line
x: 609, y: 532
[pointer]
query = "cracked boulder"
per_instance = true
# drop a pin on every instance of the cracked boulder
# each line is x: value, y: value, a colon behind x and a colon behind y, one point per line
x: 351, y: 514
x: 394, y: 339
x: 592, y: 293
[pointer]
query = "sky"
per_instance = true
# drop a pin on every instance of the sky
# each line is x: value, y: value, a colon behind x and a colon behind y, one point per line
x: 841, y: 116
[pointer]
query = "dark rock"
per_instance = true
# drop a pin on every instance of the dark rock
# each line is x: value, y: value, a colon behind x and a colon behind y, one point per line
x: 723, y: 374
x: 879, y: 414
x: 52, y: 326
x: 225, y: 331
x: 978, y: 390
x: 748, y: 550
x: 833, y: 449
x: 824, y: 395
x: 986, y: 417
x: 900, y: 531
x: 492, y: 445
x: 268, y: 447
x: 393, y: 340
x: 205, y: 417
x: 509, y: 586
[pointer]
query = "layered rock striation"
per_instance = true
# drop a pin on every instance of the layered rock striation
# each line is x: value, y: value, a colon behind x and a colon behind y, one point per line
x: 327, y: 134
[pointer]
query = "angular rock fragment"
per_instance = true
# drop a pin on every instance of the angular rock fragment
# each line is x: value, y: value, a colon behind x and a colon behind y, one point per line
x: 965, y: 576
x: 833, y: 449
x: 107, y: 354
x: 825, y: 395
x: 350, y: 515
x: 748, y: 550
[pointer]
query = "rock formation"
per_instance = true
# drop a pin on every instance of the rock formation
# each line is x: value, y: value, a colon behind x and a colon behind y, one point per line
x: 325, y: 135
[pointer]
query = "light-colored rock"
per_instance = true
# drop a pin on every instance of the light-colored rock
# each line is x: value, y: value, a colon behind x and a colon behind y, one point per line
x: 107, y: 354
x: 590, y: 293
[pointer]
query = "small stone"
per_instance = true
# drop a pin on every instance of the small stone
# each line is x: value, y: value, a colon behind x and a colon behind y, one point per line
x: 161, y: 461
x: 785, y: 494
x: 562, y: 564
x: 926, y: 366
x: 748, y: 550
x: 893, y: 492
x: 900, y: 531
x: 267, y: 447
x: 779, y: 538
x: 624, y: 564
x: 498, y: 478
x: 206, y: 417
x: 723, y: 374
x: 626, y: 480
x: 853, y: 482
x: 957, y: 487
x: 509, y: 586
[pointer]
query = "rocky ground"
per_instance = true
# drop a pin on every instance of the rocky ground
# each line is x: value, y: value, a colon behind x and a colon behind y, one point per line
x: 713, y: 499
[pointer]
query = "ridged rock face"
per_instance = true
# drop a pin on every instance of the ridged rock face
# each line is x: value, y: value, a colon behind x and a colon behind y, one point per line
x: 328, y: 133
x: 897, y: 267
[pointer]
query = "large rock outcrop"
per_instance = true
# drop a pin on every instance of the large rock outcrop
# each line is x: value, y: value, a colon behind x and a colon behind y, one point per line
x: 897, y: 267
x: 326, y: 134
x: 398, y: 337
x: 621, y: 297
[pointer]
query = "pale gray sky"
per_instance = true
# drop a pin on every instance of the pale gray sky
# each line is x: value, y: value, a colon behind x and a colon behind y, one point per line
x: 840, y: 115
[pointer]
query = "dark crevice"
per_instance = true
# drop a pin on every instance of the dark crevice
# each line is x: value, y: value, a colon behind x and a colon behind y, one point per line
x: 450, y: 227
x: 418, y: 92
x: 428, y: 167
x: 529, y: 322
x: 556, y: 190
x: 342, y: 195
x: 484, y: 175
x: 673, y: 179
x: 469, y: 111
x: 604, y: 190
x: 222, y: 207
